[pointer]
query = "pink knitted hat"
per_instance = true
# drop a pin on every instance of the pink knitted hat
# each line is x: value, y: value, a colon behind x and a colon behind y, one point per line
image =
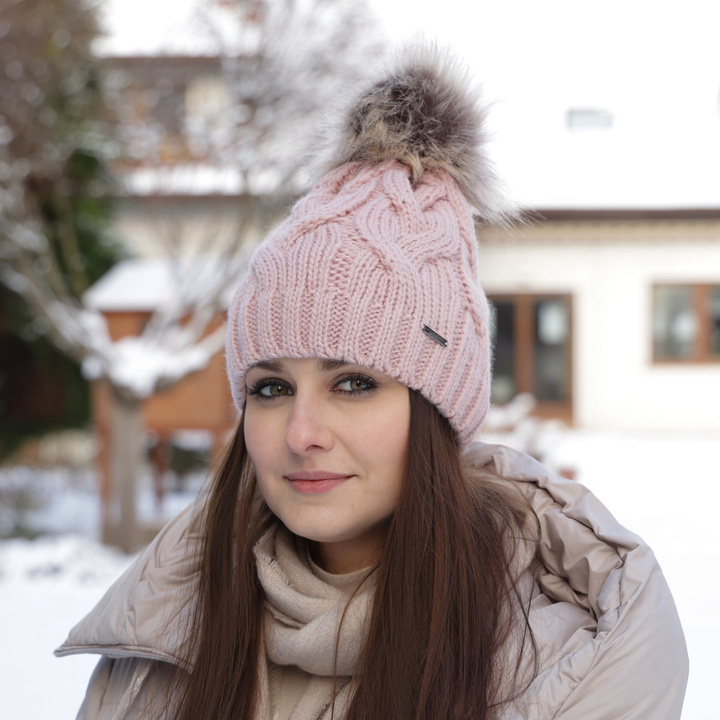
x: 377, y: 265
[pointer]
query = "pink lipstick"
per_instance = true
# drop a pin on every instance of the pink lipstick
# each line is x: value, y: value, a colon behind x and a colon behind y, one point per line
x: 313, y: 482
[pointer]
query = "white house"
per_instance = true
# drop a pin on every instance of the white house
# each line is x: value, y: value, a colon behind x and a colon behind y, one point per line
x: 611, y: 318
x: 608, y: 299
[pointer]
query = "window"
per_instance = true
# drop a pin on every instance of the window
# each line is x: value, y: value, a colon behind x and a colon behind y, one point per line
x: 686, y: 323
x: 581, y: 119
x: 533, y: 346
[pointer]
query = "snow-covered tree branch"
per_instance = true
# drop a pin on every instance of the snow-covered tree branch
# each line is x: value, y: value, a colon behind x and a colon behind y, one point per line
x: 243, y: 128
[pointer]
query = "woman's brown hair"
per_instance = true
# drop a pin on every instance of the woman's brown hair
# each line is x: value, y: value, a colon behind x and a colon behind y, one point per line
x: 445, y: 602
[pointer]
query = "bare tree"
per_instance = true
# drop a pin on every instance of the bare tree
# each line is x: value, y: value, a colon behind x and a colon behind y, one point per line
x: 280, y: 62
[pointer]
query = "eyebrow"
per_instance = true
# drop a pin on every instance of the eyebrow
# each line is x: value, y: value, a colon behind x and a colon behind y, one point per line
x: 272, y: 365
x: 326, y: 365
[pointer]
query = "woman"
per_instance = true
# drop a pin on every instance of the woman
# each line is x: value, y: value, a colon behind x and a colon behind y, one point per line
x: 357, y: 557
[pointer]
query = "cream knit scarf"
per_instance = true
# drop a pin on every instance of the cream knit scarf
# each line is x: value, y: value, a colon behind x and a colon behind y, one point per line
x: 302, y: 616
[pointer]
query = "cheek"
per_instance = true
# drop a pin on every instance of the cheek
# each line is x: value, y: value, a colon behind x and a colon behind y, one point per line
x: 258, y: 440
x: 261, y: 454
x: 388, y: 441
x: 392, y: 443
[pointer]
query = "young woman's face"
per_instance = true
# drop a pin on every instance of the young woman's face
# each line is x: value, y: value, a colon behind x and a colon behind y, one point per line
x: 328, y: 442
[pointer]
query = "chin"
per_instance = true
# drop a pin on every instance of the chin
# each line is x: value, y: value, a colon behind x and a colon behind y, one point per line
x: 320, y: 535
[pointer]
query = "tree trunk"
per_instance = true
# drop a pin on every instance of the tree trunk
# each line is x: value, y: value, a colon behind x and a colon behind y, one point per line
x: 120, y: 523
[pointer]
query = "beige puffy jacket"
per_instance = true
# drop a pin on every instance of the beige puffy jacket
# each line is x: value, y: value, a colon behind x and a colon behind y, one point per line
x: 609, y: 638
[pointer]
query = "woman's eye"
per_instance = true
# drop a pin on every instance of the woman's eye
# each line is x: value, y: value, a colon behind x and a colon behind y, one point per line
x: 356, y: 384
x: 269, y: 389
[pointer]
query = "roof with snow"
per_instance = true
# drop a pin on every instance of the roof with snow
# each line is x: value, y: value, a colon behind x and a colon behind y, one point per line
x: 592, y: 116
x: 146, y: 284
x: 624, y: 167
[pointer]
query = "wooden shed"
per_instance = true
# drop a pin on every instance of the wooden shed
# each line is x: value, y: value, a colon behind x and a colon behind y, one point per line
x: 201, y: 401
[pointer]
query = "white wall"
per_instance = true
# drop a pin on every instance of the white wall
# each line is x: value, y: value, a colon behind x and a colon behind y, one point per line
x: 609, y: 270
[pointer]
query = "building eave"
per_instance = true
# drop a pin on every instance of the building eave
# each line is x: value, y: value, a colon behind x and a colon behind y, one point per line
x: 614, y: 214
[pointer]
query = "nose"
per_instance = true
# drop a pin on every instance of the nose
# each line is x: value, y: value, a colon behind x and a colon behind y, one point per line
x: 308, y: 429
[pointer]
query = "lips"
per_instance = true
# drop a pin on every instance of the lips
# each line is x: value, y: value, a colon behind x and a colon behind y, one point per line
x: 315, y: 481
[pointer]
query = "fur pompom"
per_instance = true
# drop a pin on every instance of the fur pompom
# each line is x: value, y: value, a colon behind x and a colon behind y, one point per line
x: 425, y: 114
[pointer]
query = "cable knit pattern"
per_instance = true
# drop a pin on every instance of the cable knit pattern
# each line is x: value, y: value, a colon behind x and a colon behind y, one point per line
x: 364, y: 261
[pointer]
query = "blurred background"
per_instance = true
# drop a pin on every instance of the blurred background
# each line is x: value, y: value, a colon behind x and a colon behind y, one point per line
x: 147, y: 146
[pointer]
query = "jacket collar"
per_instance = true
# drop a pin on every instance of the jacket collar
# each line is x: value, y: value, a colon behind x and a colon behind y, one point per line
x: 145, y: 612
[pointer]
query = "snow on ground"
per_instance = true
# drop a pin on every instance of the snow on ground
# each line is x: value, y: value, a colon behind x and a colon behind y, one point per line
x: 45, y: 587
x: 667, y: 489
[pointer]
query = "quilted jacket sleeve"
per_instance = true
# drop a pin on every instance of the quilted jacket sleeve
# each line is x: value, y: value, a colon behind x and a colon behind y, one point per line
x: 639, y: 671
x: 124, y: 689
x: 610, y: 640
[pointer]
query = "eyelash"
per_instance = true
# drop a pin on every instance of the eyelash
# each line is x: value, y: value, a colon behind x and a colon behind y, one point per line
x: 256, y: 389
x: 368, y: 381
x: 260, y: 385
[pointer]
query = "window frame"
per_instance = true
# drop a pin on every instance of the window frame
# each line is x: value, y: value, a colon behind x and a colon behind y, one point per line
x: 701, y: 354
x: 523, y: 336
